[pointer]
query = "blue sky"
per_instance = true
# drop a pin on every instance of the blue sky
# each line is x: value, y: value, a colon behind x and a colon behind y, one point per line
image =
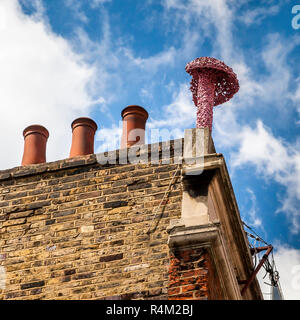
x: 62, y: 59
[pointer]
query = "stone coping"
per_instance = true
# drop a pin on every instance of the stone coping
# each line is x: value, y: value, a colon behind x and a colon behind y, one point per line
x: 155, y: 148
x: 175, y: 147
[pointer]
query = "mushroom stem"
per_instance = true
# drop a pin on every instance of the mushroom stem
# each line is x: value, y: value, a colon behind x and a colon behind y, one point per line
x: 205, y: 100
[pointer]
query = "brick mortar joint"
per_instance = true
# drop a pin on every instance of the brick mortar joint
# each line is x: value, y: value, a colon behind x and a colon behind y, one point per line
x: 29, y: 195
x: 47, y: 186
x: 20, y: 208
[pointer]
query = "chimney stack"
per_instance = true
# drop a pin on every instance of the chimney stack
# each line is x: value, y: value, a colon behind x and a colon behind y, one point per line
x: 134, y: 123
x: 35, y: 140
x: 83, y: 133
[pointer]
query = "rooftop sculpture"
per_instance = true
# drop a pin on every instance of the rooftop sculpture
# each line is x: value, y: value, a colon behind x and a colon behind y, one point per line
x: 213, y: 83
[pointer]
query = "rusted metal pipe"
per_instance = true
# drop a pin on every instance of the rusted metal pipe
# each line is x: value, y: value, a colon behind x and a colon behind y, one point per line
x: 258, y: 249
x: 254, y: 273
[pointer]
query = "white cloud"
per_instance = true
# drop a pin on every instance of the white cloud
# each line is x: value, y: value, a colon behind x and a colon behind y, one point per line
x: 42, y: 81
x: 258, y: 146
x: 119, y: 67
x: 210, y: 16
x: 295, y: 97
x: 35, y: 5
x: 110, y: 138
x: 252, y: 215
x: 105, y: 60
x: 180, y: 113
x: 276, y: 84
x: 257, y: 15
x: 96, y: 3
x: 288, y: 264
x: 146, y: 94
x: 76, y: 7
x: 152, y: 63
x: 273, y: 158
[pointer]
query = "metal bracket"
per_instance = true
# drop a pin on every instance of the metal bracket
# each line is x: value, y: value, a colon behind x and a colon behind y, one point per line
x: 260, y: 264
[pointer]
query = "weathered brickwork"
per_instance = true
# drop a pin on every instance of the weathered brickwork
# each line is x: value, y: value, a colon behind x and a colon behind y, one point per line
x: 75, y: 229
x: 192, y: 276
x: 188, y: 275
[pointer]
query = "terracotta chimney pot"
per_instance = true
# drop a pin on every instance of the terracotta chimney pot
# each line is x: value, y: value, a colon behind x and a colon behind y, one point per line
x: 83, y: 133
x: 35, y: 140
x: 134, y: 123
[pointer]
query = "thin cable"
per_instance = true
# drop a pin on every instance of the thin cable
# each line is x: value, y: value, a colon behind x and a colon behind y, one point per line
x: 255, y: 233
x: 163, y: 198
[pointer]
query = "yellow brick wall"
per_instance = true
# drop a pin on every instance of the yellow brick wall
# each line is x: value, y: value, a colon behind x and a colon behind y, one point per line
x: 74, y: 229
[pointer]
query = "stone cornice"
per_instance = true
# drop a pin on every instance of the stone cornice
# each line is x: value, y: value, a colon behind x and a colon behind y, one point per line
x: 228, y: 224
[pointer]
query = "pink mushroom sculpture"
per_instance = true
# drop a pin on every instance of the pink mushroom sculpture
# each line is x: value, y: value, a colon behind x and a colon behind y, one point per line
x: 213, y: 83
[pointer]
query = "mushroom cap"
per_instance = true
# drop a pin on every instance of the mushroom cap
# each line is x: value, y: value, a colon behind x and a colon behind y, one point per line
x: 226, y: 82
